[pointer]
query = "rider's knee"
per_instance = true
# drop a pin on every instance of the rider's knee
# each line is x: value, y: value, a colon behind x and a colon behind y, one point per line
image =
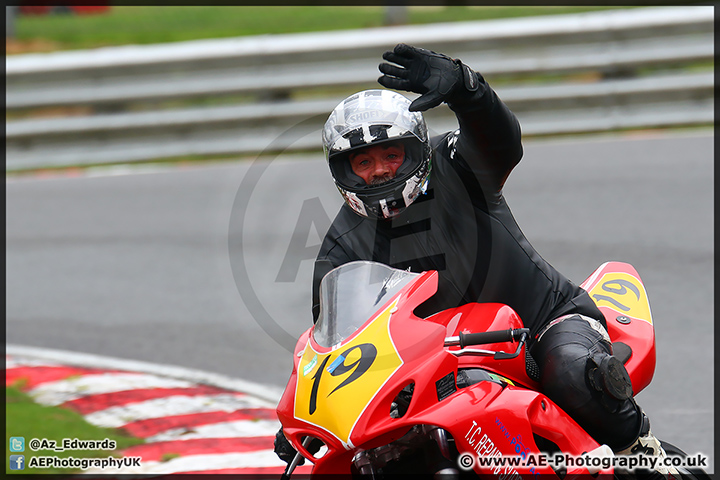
x: 607, y: 376
x: 579, y: 374
x: 578, y: 368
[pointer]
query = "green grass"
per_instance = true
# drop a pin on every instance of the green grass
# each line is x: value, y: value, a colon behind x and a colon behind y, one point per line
x: 25, y: 418
x: 155, y: 24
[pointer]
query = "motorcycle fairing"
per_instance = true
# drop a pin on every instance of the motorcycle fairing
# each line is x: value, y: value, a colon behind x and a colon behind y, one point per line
x: 485, y: 419
x: 490, y: 420
x: 482, y: 317
x: 338, y: 435
x: 345, y: 378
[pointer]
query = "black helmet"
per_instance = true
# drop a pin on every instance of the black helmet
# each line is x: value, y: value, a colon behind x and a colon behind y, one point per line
x: 372, y: 117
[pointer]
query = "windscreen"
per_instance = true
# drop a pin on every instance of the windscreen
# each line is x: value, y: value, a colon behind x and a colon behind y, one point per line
x: 353, y: 293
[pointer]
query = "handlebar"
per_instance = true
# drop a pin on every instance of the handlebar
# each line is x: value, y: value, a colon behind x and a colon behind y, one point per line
x: 482, y: 338
x: 497, y: 336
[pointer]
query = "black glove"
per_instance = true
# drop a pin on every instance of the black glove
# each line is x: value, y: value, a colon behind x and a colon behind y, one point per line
x: 436, y: 77
x: 284, y: 449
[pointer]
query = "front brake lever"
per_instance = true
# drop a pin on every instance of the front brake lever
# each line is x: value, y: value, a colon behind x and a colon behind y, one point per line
x: 506, y: 356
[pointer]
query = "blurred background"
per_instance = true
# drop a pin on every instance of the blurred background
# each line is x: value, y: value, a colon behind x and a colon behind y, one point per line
x: 45, y: 26
x: 166, y: 189
x: 113, y: 84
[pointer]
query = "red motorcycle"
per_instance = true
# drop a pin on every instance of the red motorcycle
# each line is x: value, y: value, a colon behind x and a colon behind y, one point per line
x: 381, y: 391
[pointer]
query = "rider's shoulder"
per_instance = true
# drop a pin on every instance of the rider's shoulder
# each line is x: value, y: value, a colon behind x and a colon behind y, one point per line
x: 445, y: 141
x: 347, y: 221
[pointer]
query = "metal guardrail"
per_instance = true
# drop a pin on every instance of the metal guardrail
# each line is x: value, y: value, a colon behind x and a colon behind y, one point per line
x: 560, y: 74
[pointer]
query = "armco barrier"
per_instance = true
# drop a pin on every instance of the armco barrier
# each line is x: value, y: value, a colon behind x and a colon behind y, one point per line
x: 628, y: 68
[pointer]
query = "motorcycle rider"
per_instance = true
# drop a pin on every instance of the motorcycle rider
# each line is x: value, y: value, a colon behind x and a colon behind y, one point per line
x: 421, y: 203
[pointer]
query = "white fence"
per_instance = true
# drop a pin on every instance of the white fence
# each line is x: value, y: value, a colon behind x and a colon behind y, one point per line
x: 630, y: 68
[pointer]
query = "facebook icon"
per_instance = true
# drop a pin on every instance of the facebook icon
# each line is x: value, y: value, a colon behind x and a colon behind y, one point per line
x: 17, y: 462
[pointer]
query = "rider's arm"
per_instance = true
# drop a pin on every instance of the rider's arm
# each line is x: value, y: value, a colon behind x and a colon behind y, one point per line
x: 490, y: 139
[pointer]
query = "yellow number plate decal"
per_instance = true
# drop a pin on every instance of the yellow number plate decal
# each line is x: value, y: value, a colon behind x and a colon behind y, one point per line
x: 623, y: 293
x: 337, y: 386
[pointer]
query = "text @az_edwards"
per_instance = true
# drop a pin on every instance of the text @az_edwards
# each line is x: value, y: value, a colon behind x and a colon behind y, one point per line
x: 66, y: 444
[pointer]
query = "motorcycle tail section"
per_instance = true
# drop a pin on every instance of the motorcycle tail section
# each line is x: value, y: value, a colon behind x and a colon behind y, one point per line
x: 620, y: 295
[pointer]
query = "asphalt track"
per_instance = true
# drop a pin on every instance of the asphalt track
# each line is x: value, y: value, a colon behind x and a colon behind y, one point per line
x: 190, y: 266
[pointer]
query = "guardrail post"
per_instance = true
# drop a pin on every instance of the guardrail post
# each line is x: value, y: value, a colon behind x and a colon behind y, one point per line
x: 396, y: 15
x: 10, y: 14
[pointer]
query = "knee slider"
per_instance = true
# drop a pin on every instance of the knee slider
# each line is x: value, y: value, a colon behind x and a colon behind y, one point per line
x: 608, y: 376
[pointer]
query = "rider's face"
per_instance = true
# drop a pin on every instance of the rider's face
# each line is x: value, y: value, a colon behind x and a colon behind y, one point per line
x: 378, y: 164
